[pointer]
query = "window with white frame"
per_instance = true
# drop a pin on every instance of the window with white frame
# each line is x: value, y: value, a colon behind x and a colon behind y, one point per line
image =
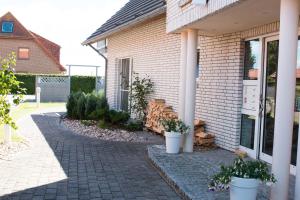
x: 124, y: 73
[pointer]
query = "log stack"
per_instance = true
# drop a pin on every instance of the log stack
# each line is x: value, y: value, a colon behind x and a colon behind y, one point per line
x: 158, y: 110
x: 201, y: 137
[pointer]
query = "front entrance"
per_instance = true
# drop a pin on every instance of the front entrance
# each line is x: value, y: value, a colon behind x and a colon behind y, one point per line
x: 260, y: 81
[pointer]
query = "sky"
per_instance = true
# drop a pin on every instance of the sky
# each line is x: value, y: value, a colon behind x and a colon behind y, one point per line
x: 67, y: 23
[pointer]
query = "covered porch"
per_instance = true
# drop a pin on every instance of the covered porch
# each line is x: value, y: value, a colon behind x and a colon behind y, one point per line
x: 257, y: 86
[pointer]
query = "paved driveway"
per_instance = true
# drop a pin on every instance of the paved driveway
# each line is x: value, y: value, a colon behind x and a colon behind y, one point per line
x: 61, y: 165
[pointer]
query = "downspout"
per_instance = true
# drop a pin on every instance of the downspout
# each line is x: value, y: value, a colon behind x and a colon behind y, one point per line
x: 106, y: 64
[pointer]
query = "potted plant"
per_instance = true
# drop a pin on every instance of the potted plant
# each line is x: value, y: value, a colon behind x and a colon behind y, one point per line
x: 243, y: 179
x: 173, y: 133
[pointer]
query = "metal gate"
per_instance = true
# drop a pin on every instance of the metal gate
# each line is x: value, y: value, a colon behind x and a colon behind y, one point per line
x: 54, y: 89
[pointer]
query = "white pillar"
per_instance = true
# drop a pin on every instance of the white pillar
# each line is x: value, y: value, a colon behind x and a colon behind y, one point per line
x: 285, y: 97
x: 38, y: 96
x: 7, y: 134
x: 183, y: 59
x: 297, y: 186
x: 190, y: 94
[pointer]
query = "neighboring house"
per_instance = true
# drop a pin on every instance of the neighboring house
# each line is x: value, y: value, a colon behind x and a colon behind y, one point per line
x: 246, y: 73
x: 35, y: 54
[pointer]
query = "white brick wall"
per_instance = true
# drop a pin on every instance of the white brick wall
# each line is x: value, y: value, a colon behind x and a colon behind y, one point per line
x: 153, y: 52
x: 219, y: 91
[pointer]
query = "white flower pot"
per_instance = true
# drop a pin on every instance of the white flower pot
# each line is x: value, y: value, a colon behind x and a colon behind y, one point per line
x: 243, y: 188
x: 173, y: 140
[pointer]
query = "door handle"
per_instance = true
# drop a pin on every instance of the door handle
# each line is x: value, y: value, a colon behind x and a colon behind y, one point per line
x: 261, y: 105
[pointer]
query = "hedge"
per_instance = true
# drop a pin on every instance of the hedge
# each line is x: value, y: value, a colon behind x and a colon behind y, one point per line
x: 78, y: 83
x: 86, y: 84
x: 28, y: 82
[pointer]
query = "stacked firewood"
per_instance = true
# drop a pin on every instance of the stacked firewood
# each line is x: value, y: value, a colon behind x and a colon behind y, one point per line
x: 201, y: 137
x: 157, y: 111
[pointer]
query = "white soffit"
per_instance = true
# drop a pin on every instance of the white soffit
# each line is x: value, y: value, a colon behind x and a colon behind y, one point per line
x: 245, y: 15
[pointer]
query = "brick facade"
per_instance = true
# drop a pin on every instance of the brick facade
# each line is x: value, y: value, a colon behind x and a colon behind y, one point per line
x: 153, y: 52
x: 219, y: 88
x: 38, y: 63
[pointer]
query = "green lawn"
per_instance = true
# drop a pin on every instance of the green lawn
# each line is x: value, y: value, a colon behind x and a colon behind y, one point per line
x: 23, y: 110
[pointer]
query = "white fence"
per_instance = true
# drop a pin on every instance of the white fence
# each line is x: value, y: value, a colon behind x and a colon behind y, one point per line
x: 54, y: 89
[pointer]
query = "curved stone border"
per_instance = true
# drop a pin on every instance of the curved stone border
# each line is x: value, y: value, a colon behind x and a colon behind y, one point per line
x: 164, y: 175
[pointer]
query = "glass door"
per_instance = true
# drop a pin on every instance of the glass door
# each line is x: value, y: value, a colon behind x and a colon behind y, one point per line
x: 269, y: 102
x: 269, y: 97
x: 250, y: 105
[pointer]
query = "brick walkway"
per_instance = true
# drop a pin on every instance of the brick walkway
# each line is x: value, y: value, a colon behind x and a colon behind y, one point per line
x: 61, y: 165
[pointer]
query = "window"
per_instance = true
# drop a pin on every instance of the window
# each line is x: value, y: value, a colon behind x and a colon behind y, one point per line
x: 7, y: 27
x: 247, y: 131
x: 23, y: 53
x: 198, y: 64
x: 252, y: 59
x: 124, y: 83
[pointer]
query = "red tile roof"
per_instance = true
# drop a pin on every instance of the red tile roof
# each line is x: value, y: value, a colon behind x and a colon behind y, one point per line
x: 51, y: 49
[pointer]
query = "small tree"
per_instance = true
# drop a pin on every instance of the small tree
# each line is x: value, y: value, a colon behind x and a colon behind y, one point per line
x: 9, y: 85
x: 141, y: 88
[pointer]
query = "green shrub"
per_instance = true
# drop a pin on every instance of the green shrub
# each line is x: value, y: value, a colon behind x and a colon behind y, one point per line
x: 81, y: 106
x: 72, y: 105
x: 28, y: 82
x: 91, y: 103
x: 88, y: 122
x: 102, y: 109
x: 116, y: 117
x: 134, y: 126
x: 85, y: 84
x: 97, y: 107
x: 102, y: 124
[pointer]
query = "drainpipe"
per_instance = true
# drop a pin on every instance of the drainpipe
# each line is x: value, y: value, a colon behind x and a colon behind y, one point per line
x: 106, y: 63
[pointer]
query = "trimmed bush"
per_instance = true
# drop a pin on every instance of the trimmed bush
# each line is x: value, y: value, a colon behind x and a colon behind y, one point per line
x: 91, y: 103
x: 28, y: 82
x: 86, y: 84
x: 102, y: 124
x: 134, y: 126
x: 118, y: 117
x: 72, y: 105
x: 92, y: 106
x: 81, y: 106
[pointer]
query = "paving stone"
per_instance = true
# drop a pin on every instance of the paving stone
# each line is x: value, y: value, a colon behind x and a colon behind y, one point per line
x: 191, y: 173
x: 62, y: 165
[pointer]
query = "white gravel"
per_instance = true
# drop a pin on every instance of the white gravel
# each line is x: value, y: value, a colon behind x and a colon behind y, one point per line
x: 111, y: 134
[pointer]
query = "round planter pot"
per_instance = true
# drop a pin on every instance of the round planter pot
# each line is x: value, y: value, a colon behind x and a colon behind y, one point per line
x: 173, y: 141
x: 243, y: 188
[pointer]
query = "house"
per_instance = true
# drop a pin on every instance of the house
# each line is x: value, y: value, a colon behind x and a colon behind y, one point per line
x: 247, y: 89
x: 34, y: 53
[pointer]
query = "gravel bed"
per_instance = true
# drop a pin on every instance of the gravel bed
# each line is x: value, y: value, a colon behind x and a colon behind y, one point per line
x: 94, y: 131
x: 7, y: 151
